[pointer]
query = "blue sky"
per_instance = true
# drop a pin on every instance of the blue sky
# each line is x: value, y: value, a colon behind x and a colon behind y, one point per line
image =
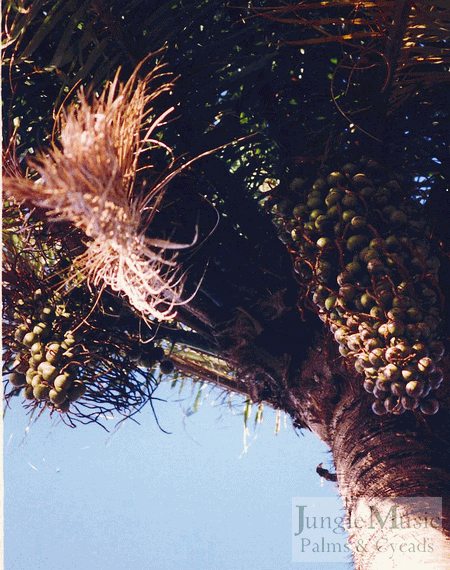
x: 85, y: 499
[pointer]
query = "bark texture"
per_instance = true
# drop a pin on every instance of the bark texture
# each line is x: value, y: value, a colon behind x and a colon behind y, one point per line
x: 380, y: 460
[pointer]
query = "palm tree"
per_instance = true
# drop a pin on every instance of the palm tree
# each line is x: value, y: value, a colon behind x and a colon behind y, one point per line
x: 303, y: 266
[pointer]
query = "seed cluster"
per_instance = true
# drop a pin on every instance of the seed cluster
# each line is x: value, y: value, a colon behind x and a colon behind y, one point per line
x: 361, y: 247
x: 53, y: 367
x: 147, y: 355
x: 46, y: 365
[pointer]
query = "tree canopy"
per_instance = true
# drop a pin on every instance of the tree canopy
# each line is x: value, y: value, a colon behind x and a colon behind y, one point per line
x: 251, y: 195
x: 299, y: 86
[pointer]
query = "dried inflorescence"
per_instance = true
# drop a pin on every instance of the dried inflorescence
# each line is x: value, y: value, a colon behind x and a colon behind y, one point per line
x: 90, y: 180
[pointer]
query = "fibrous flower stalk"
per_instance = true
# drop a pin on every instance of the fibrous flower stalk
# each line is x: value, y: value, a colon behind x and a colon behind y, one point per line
x: 90, y: 179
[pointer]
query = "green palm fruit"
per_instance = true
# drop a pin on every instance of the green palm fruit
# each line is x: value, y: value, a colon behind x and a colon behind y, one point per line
x: 29, y: 339
x: 358, y: 222
x: 38, y: 294
x: 53, y: 352
x: 30, y: 374
x: 314, y: 202
x: 41, y: 391
x: 426, y: 365
x: 333, y: 197
x: 409, y: 402
x: 36, y: 359
x: 429, y: 406
x: 36, y: 348
x: 76, y: 391
x: 382, y: 383
x: 392, y: 371
x: 20, y: 365
x: 367, y: 301
x: 63, y: 407
x: 420, y: 350
x: 47, y: 314
x: 20, y: 332
x: 348, y: 215
x: 396, y: 314
x: 376, y: 357
x: 335, y: 178
x: 27, y: 393
x: 341, y: 335
x: 369, y: 385
x: 343, y: 350
x: 435, y: 379
x: 36, y: 379
x: 367, y: 254
x: 48, y: 371
x: 436, y: 348
x: 372, y: 343
x: 398, y: 388
x: 398, y: 217
x: 349, y: 168
x: 319, y: 184
x: 366, y: 192
x: 63, y: 381
x: 17, y: 379
x: 57, y: 396
x: 388, y: 210
x: 353, y: 342
x: 351, y: 201
x: 324, y: 242
x: 42, y: 330
x: 390, y: 403
x: 296, y: 234
x: 323, y: 222
x: 410, y: 373
x: 323, y: 270
x: 68, y: 342
x: 313, y: 217
x: 299, y: 211
x: 415, y: 388
x: 431, y: 322
x: 361, y: 236
x: 356, y: 242
x: 361, y: 179
x: 378, y: 408
x: 166, y: 366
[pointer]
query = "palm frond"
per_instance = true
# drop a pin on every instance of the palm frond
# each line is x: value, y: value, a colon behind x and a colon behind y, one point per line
x: 411, y: 38
x: 424, y: 55
x: 198, y: 365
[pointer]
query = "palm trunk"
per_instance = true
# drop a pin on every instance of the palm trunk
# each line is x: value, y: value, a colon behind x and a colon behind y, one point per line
x: 385, y: 465
x: 379, y: 462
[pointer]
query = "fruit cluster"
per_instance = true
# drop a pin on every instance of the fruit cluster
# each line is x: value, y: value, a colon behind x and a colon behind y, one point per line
x: 45, y: 365
x: 147, y: 355
x: 360, y: 246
